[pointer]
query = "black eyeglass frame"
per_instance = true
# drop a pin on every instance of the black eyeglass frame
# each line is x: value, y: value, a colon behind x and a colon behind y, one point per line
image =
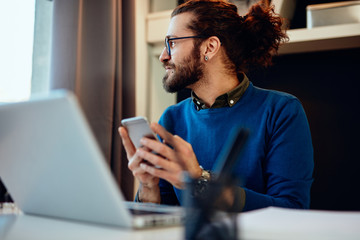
x: 167, y: 39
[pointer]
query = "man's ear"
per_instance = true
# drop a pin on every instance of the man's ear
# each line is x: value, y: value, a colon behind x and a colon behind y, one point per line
x: 211, y: 47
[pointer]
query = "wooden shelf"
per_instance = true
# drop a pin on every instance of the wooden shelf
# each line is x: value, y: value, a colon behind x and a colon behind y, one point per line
x: 303, y: 40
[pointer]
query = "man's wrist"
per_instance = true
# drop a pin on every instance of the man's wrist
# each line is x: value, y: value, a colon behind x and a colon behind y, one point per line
x: 205, y: 175
x: 201, y: 183
x: 148, y: 194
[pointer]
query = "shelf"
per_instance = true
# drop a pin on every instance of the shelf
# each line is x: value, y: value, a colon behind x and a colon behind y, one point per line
x: 323, y: 38
x: 303, y: 40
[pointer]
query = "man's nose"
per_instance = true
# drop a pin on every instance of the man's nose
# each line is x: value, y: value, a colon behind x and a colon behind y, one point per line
x: 164, y: 56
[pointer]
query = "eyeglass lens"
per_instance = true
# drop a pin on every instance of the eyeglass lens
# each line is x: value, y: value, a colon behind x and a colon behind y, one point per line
x: 167, y: 46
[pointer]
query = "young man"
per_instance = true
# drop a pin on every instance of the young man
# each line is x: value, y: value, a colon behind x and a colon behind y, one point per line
x: 209, y: 48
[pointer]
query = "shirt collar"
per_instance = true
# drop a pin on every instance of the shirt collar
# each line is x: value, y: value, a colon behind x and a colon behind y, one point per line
x: 228, y: 99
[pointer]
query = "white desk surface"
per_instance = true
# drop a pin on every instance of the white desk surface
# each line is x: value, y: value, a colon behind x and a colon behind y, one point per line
x: 269, y: 223
x: 38, y: 228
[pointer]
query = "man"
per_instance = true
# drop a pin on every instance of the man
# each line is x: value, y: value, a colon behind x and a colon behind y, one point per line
x: 209, y: 48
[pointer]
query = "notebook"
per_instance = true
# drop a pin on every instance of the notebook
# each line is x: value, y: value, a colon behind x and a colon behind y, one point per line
x: 52, y: 166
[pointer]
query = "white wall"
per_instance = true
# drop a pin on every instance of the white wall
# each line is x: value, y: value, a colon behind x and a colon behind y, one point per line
x: 151, y: 98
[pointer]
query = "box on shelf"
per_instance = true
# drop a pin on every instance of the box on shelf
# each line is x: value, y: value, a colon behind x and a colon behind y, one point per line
x: 332, y: 13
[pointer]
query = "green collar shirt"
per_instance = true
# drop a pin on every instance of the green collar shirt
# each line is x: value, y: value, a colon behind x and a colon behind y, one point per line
x: 228, y: 99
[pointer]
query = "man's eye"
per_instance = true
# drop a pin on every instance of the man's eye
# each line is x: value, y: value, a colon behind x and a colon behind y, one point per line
x: 172, y: 44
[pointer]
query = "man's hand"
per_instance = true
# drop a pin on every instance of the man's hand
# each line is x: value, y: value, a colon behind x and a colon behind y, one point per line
x: 174, y: 156
x: 149, y: 189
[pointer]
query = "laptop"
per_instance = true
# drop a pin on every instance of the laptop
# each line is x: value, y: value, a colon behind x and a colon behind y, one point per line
x: 52, y: 166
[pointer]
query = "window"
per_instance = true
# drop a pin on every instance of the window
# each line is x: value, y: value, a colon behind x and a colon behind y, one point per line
x: 16, y: 48
x: 24, y: 48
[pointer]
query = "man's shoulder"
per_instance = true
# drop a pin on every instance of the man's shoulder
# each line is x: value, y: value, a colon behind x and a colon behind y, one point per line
x: 179, y: 106
x: 177, y: 110
x: 274, y: 96
x: 273, y: 93
x: 175, y: 115
x: 270, y: 100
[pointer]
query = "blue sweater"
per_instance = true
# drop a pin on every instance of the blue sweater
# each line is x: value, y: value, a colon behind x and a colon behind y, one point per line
x: 277, y: 165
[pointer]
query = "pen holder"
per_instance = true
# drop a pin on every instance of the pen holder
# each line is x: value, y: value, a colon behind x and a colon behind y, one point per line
x: 206, y: 216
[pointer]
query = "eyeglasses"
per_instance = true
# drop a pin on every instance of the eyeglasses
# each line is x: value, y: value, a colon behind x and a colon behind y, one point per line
x: 169, y: 42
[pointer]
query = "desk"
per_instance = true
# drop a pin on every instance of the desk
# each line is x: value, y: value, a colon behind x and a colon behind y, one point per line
x: 26, y: 227
x: 269, y: 223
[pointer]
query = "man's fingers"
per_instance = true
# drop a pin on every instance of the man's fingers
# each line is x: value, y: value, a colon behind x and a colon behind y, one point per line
x: 136, y: 159
x: 161, y: 173
x: 163, y: 133
x: 128, y: 145
x: 173, y: 140
x: 155, y: 159
x: 157, y: 147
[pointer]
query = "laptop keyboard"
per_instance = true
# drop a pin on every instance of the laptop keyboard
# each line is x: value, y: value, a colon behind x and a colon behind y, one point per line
x: 139, y: 212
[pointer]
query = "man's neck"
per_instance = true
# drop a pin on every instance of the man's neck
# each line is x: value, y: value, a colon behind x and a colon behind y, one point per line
x: 209, y: 88
x: 217, y: 79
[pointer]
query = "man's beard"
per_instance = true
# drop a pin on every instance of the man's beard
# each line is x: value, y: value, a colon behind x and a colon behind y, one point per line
x: 185, y: 73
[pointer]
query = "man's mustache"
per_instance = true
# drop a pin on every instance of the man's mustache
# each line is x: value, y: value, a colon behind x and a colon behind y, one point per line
x: 171, y: 65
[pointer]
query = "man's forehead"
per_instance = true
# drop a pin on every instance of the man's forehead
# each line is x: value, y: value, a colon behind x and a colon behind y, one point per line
x: 179, y: 25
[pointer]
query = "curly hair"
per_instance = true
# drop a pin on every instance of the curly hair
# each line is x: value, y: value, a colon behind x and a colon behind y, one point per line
x: 249, y: 41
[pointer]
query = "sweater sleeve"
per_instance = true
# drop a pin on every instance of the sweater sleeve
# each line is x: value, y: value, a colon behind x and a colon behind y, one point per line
x: 288, y: 164
x: 167, y: 192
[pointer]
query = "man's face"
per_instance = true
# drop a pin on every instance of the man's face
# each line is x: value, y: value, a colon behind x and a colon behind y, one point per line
x: 183, y: 67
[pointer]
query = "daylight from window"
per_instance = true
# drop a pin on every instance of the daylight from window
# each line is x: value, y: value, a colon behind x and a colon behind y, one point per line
x: 16, y: 48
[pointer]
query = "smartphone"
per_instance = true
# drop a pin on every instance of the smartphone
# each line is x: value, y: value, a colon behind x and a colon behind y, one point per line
x: 138, y: 127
